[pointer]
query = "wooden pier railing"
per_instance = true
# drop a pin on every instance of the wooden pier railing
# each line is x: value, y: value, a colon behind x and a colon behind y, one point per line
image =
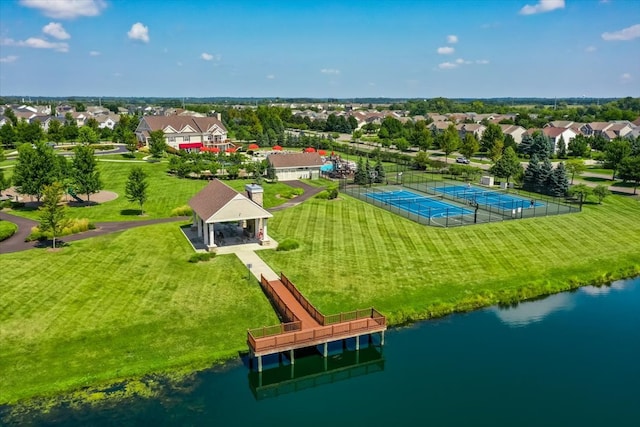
x: 292, y: 335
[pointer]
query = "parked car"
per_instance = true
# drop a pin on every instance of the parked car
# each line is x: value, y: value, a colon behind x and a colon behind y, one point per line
x: 462, y: 159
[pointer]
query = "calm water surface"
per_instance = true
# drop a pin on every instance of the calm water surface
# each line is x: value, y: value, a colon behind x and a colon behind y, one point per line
x: 571, y: 359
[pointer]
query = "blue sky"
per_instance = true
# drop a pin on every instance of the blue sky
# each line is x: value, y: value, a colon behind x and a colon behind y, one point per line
x: 343, y: 49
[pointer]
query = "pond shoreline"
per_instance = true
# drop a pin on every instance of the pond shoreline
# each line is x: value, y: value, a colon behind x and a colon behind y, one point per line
x: 153, y: 384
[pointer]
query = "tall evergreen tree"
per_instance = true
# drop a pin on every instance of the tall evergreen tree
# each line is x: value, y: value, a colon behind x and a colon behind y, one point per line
x: 562, y: 148
x: 360, y: 176
x: 380, y: 173
x: 531, y: 174
x: 541, y: 146
x: 507, y: 166
x: 545, y: 177
x: 559, y: 181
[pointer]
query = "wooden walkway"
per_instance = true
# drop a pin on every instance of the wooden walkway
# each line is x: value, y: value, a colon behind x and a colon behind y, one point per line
x: 304, y: 326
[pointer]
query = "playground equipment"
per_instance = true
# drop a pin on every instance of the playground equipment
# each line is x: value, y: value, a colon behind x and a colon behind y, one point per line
x: 72, y: 193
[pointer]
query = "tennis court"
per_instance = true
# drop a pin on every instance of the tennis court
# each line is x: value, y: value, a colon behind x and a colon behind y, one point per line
x: 418, y: 204
x: 491, y: 198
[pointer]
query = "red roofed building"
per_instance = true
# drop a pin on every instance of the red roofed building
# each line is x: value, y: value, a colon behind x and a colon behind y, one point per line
x: 558, y: 134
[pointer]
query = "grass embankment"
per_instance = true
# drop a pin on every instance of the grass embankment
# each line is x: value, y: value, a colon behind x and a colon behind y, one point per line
x: 353, y: 255
x: 7, y: 229
x: 165, y: 193
x: 119, y: 306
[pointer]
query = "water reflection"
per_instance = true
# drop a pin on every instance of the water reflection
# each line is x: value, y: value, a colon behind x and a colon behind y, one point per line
x: 529, y: 312
x: 314, y: 370
x: 603, y: 290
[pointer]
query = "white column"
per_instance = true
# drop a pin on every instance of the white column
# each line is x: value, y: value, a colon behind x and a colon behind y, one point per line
x: 194, y: 218
x: 211, y: 239
x: 265, y: 236
x: 200, y: 227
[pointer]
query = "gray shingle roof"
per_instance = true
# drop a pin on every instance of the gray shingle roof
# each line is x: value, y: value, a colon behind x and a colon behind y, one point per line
x: 293, y: 160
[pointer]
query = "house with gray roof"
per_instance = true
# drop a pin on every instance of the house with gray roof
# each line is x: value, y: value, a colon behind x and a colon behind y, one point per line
x: 186, y: 132
x: 293, y: 166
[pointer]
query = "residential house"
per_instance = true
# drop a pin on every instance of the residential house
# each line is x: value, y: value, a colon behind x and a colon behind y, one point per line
x: 620, y: 129
x: 595, y: 128
x: 107, y: 120
x: 557, y: 135
x: 293, y: 166
x: 476, y: 129
x: 185, y: 132
x: 515, y: 131
x: 45, y: 121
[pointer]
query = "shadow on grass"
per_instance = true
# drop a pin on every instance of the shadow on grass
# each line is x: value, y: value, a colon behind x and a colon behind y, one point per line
x: 131, y: 212
x: 597, y: 179
x: 76, y: 204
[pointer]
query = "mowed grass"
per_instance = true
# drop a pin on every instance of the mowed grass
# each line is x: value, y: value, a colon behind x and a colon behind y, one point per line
x: 118, y: 306
x: 354, y: 255
x: 165, y: 193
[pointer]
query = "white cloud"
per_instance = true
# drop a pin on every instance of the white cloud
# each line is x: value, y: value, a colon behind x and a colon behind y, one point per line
x: 66, y: 9
x: 452, y: 39
x: 271, y: 77
x: 626, y: 78
x: 139, y: 32
x: 447, y: 65
x: 56, y: 30
x: 446, y: 50
x: 462, y: 61
x: 330, y: 71
x: 482, y: 61
x: 542, y: 6
x: 8, y: 59
x: 36, y: 43
x: 590, y: 49
x: 94, y: 53
x: 629, y: 33
x: 206, y: 56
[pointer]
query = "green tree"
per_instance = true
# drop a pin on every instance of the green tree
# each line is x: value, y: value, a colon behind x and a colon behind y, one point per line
x: 421, y: 160
x: 601, y: 191
x: 87, y: 135
x: 86, y: 175
x: 496, y: 150
x: 541, y: 146
x: 575, y: 166
x: 136, y: 187
x: 562, y: 148
x: 470, y: 145
x: 579, y: 146
x: 130, y: 141
x: 360, y: 177
x: 490, y: 136
x: 36, y: 168
x: 156, y: 143
x: 54, y: 133
x: 580, y: 191
x: 380, y: 173
x: 616, y: 151
x: 630, y: 171
x: 271, y: 172
x: 4, y: 182
x: 70, y: 128
x: 531, y: 174
x: 8, y: 136
x: 558, y: 183
x: 507, y: 166
x: 450, y: 141
x: 52, y: 211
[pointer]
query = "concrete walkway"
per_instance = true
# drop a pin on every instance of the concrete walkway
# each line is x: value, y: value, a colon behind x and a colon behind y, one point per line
x: 258, y: 266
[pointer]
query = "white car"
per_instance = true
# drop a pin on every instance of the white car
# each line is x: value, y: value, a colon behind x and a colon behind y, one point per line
x: 462, y: 159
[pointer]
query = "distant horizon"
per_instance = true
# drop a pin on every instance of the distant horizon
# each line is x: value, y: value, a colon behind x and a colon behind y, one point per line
x: 401, y: 49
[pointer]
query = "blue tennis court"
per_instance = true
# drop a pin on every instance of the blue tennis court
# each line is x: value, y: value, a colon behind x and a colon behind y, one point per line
x: 489, y: 197
x: 418, y: 204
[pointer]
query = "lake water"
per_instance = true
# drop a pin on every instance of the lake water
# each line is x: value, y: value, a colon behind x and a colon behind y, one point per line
x: 571, y: 359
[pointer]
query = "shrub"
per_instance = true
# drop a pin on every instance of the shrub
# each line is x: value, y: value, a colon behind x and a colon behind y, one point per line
x: 288, y: 245
x: 333, y: 193
x: 73, y: 226
x: 293, y: 192
x: 7, y: 229
x: 183, y: 210
x: 323, y: 195
x: 201, y: 256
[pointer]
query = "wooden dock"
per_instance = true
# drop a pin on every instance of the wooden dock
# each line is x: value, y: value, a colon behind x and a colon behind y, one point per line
x: 305, y: 326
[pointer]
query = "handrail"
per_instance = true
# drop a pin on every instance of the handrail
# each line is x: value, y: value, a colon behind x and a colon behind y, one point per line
x: 291, y: 333
x: 317, y: 316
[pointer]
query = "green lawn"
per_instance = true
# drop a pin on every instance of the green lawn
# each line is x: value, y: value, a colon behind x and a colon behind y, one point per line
x: 354, y: 255
x: 599, y: 169
x: 165, y: 194
x: 118, y: 306
x: 7, y: 229
x: 127, y: 304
